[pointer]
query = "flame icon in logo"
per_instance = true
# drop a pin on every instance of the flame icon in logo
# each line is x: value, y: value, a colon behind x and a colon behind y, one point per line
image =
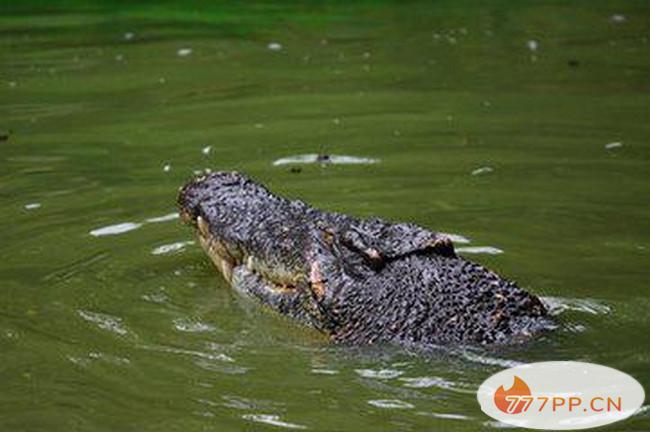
x: 509, y: 400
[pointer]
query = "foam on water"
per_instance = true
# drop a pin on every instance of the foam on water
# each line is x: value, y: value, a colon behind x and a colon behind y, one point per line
x: 171, y: 247
x: 187, y: 325
x: 324, y: 371
x: 104, y: 321
x: 482, y: 170
x: 457, y: 238
x: 272, y: 419
x: 192, y: 353
x: 558, y: 305
x: 124, y: 227
x: 115, y: 229
x: 446, y: 416
x: 331, y: 159
x: 379, y: 374
x: 164, y: 218
x: 390, y: 404
x: 425, y: 382
x: 490, y: 250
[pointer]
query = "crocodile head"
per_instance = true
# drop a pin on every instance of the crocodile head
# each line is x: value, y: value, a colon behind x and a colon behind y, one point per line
x: 357, y: 280
x: 257, y: 240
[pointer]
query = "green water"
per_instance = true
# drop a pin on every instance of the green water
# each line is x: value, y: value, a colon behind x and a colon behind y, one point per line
x: 106, y: 119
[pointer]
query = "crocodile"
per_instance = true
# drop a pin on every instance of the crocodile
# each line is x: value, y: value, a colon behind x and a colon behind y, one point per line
x: 359, y: 281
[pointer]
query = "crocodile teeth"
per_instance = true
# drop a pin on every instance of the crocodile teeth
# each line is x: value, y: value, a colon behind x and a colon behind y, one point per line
x: 226, y: 269
x: 204, y: 229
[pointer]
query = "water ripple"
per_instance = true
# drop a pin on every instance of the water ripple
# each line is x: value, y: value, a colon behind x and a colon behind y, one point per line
x: 200, y: 354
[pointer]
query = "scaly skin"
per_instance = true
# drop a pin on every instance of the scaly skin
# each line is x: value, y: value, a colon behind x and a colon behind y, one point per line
x: 359, y: 281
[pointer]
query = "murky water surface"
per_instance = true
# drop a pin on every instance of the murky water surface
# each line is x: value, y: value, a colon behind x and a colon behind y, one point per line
x: 520, y: 127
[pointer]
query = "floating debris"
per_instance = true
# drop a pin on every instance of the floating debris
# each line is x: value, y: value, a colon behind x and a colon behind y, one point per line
x: 171, y: 247
x: 184, y: 52
x: 379, y: 374
x: 115, y: 229
x: 119, y: 57
x: 324, y: 159
x: 129, y: 36
x: 482, y: 170
x: 532, y: 45
x: 274, y: 46
x: 479, y: 250
x: 32, y: 206
x: 167, y: 167
x: 614, y: 145
x: 206, y: 150
x: 391, y: 404
x: 273, y: 420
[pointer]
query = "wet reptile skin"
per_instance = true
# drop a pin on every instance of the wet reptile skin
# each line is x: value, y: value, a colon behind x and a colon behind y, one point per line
x: 359, y: 281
